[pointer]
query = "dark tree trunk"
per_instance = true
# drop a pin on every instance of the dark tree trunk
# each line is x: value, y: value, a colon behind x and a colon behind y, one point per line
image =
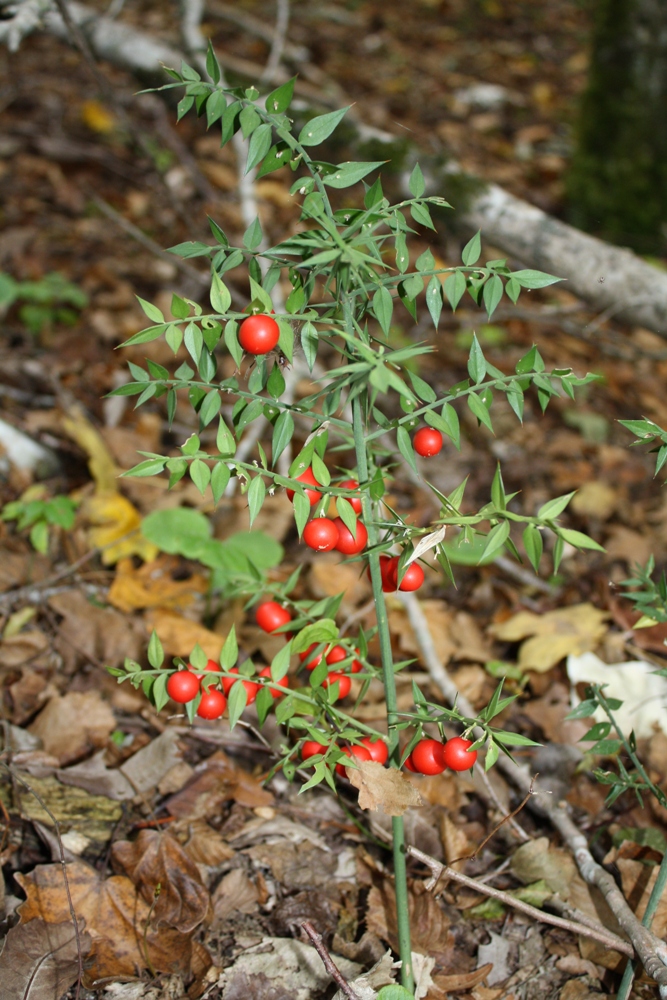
x: 617, y: 184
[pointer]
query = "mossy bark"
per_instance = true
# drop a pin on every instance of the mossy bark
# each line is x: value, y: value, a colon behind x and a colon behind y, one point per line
x: 617, y: 184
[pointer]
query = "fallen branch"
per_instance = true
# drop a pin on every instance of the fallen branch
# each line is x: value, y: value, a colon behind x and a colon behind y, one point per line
x: 597, y: 933
x: 327, y: 960
x: 651, y: 951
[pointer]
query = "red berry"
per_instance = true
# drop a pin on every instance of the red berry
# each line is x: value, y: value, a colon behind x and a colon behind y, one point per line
x: 338, y: 654
x: 355, y: 502
x: 183, y: 686
x: 427, y: 442
x: 387, y: 565
x: 308, y: 478
x: 361, y: 753
x: 321, y: 534
x: 259, y: 334
x: 212, y: 705
x: 376, y: 748
x: 251, y: 687
x: 344, y: 682
x: 348, y: 543
x: 310, y: 748
x: 428, y: 757
x: 310, y: 658
x: 212, y: 666
x: 412, y: 578
x: 270, y: 616
x: 284, y: 682
x: 456, y: 754
x: 408, y: 764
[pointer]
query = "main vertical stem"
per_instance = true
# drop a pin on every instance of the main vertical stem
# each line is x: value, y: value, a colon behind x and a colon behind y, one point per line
x: 398, y: 830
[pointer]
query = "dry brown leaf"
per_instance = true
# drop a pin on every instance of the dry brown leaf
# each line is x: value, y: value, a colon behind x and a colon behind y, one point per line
x: 164, y: 874
x: 102, y: 634
x: 455, y: 842
x: 217, y: 780
x: 595, y: 499
x: 18, y: 649
x: 439, y: 619
x: 550, y: 713
x: 638, y: 880
x: 117, y: 528
x: 631, y: 546
x: 180, y: 635
x: 152, y: 585
x: 40, y: 960
x: 460, y: 981
x: 328, y: 577
x: 235, y: 892
x: 555, y: 635
x: 384, y: 788
x: 204, y: 845
x: 71, y: 726
x: 115, y: 916
x: 429, y: 924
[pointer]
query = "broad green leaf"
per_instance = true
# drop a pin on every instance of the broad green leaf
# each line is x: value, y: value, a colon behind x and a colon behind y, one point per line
x: 534, y: 279
x: 309, y: 343
x: 150, y: 467
x: 383, y: 307
x: 347, y: 515
x: 421, y: 215
x: 416, y: 182
x: 454, y: 287
x: 301, y: 505
x: 280, y: 99
x: 236, y: 702
x: 253, y: 235
x: 552, y: 508
x: 224, y: 441
x: 256, y: 493
x: 200, y: 474
x: 320, y: 128
x: 434, y: 300
x: 347, y: 174
x: 230, y: 650
x: 496, y: 539
x: 472, y: 250
x: 579, y: 539
x: 451, y: 426
x: 155, y: 651
x: 493, y: 293
x: 478, y: 408
x: 404, y: 443
x: 220, y: 477
x: 212, y: 65
x: 249, y: 120
x: 210, y: 408
x: 283, y: 431
x: 194, y: 341
x: 215, y: 107
x: 476, y: 362
x: 276, y: 383
x: 402, y: 255
x: 324, y: 630
x: 532, y: 543
x: 259, y: 145
x: 422, y: 388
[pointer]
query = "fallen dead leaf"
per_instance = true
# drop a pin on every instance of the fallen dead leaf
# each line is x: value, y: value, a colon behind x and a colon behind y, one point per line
x: 117, y: 528
x: 550, y: 711
x: 595, y: 499
x: 41, y: 959
x: 495, y: 954
x: 116, y: 919
x: 384, y: 788
x: 555, y: 635
x: 152, y: 585
x: 204, y: 845
x: 328, y: 577
x: 215, y: 781
x: 429, y: 924
x: 101, y: 634
x: 455, y: 842
x: 635, y: 682
x: 165, y: 876
x: 21, y: 648
x: 74, y: 810
x: 235, y: 892
x: 72, y: 725
x: 628, y: 545
x: 461, y: 981
x: 180, y: 635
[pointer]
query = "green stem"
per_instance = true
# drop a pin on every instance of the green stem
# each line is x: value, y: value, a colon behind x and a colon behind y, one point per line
x: 398, y: 831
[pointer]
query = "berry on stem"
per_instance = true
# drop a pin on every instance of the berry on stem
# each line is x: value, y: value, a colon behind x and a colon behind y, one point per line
x: 212, y: 705
x: 428, y: 757
x: 355, y: 502
x: 412, y: 578
x: 456, y: 754
x: 427, y: 442
x: 338, y: 654
x: 409, y: 765
x: 361, y: 753
x: 308, y: 479
x: 183, y: 686
x: 251, y: 687
x: 344, y: 682
x: 310, y: 658
x: 270, y: 616
x: 348, y: 543
x: 321, y: 534
x: 259, y: 334
x: 310, y: 748
x: 377, y: 748
x: 283, y: 682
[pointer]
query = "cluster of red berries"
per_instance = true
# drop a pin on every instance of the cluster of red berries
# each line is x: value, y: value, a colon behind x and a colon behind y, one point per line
x: 185, y: 685
x: 412, y: 578
x: 270, y: 616
x: 366, y: 749
x: 324, y: 533
x: 433, y: 757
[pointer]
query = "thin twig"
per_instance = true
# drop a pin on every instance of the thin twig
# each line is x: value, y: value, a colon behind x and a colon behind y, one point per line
x: 15, y: 595
x: 597, y: 933
x: 278, y: 42
x: 327, y: 960
x: 63, y: 865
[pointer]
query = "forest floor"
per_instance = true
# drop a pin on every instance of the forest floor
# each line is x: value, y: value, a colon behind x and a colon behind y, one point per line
x: 492, y: 84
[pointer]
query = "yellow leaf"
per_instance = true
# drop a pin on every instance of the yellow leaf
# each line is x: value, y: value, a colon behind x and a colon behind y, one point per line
x: 152, y: 586
x: 180, y: 635
x: 118, y: 528
x: 97, y: 117
x: 554, y: 635
x: 102, y: 467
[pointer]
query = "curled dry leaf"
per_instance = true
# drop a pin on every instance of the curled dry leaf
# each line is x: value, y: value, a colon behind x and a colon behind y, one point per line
x: 383, y: 788
x: 153, y: 586
x: 40, y: 960
x: 164, y: 874
x: 116, y: 918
